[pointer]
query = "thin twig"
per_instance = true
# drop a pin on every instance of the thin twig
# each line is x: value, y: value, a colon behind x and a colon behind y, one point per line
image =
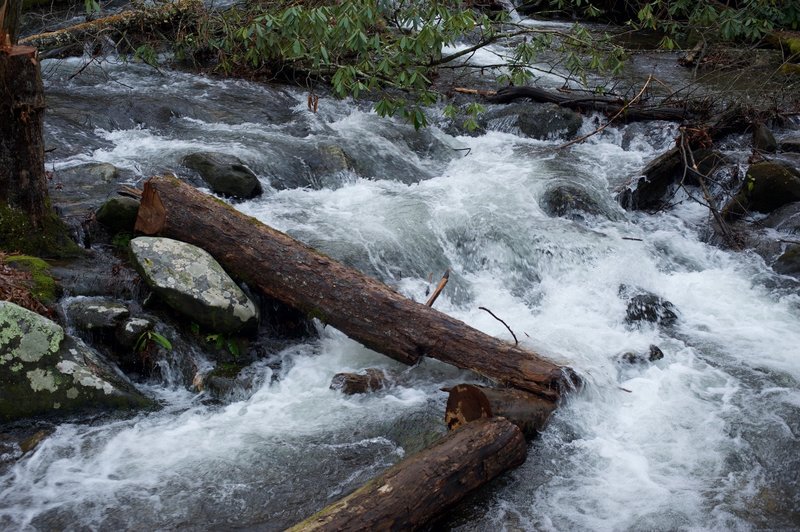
x: 516, y: 342
x: 439, y: 288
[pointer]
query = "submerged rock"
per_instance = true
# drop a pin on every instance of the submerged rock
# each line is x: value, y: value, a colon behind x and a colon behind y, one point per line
x: 43, y: 371
x: 767, y: 186
x: 225, y: 174
x: 650, y: 307
x: 653, y: 354
x: 534, y: 120
x: 790, y: 145
x: 571, y: 201
x: 189, y: 280
x: 789, y: 262
x: 118, y: 214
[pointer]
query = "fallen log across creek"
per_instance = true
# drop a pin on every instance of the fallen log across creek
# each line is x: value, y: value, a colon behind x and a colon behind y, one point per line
x: 361, y: 307
x: 418, y: 489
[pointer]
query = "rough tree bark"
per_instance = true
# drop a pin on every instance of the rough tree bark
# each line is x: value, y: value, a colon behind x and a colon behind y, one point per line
x: 421, y: 487
x: 23, y: 184
x: 361, y: 307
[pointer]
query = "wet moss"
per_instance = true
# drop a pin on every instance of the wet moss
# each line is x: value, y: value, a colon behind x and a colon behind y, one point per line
x: 17, y: 234
x: 44, y: 286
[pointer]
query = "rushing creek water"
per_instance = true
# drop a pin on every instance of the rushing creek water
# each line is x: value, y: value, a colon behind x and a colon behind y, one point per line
x: 706, y: 438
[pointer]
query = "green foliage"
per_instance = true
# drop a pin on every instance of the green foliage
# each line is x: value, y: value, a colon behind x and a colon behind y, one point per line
x: 151, y: 337
x: 221, y: 341
x: 391, y: 50
x: 91, y: 7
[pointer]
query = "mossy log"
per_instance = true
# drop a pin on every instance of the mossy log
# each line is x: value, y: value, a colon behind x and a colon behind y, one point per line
x: 361, y: 307
x: 422, y: 487
x: 162, y: 19
x: 468, y: 402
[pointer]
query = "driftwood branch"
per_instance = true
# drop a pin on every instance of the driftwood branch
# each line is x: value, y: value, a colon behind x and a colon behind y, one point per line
x: 439, y: 288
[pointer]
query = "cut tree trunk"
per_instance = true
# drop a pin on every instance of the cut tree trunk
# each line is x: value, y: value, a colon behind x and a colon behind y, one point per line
x: 23, y: 184
x: 356, y: 304
x: 468, y: 402
x: 421, y: 487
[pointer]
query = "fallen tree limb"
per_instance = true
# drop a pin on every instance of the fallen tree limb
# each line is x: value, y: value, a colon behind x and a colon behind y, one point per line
x: 603, y: 104
x: 468, y: 402
x: 361, y: 307
x: 421, y: 487
x: 145, y: 20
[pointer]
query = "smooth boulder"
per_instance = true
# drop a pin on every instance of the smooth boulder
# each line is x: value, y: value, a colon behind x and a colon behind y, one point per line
x: 189, y: 280
x: 767, y: 186
x: 44, y: 371
x: 225, y: 174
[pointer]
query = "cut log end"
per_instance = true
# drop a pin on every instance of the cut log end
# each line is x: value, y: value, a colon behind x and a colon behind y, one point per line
x: 152, y: 213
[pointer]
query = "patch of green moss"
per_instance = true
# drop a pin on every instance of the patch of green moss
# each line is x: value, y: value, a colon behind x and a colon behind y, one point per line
x: 44, y: 286
x: 17, y: 234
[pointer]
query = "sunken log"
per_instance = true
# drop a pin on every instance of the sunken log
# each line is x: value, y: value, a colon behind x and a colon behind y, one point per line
x: 361, y: 307
x: 468, y: 402
x: 422, y: 487
x: 371, y: 380
x: 604, y: 104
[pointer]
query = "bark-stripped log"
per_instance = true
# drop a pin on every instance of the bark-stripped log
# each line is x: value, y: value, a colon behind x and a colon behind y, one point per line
x: 356, y: 304
x: 421, y: 487
x: 468, y: 402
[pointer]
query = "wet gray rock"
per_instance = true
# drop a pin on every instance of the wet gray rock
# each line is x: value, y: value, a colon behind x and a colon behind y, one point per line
x: 118, y: 214
x: 763, y: 139
x: 189, y: 280
x: 767, y: 186
x: 296, y: 164
x: 789, y: 262
x: 650, y: 307
x: 790, y: 145
x: 129, y: 331
x: 225, y: 174
x: 82, y: 188
x: 653, y: 354
x: 572, y: 201
x: 44, y: 371
x: 538, y: 121
x: 785, y: 219
x: 90, y: 314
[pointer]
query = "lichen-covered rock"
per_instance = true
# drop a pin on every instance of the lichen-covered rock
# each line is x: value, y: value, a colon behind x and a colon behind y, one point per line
x: 92, y: 313
x: 118, y: 214
x: 767, y: 186
x: 193, y: 283
x: 225, y: 174
x: 43, y: 371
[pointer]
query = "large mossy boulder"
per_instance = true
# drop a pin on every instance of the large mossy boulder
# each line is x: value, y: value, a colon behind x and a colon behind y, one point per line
x: 189, y: 280
x: 226, y: 175
x: 767, y: 186
x: 43, y: 371
x: 118, y: 214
